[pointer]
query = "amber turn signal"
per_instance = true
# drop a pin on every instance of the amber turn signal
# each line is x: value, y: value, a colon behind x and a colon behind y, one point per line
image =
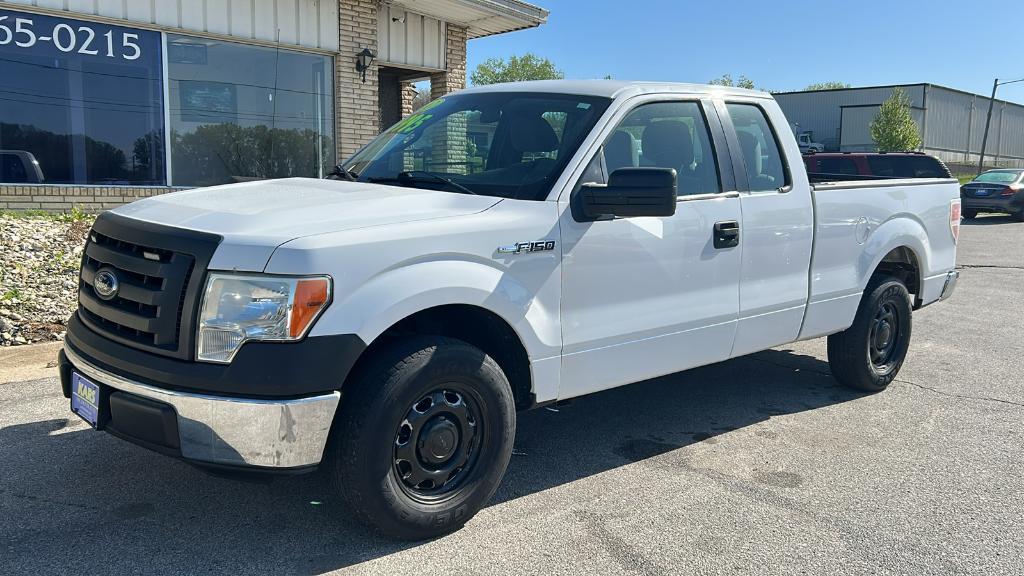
x: 310, y: 298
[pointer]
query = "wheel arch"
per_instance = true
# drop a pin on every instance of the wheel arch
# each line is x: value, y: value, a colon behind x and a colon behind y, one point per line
x: 474, y: 325
x: 904, y: 264
x: 899, y: 248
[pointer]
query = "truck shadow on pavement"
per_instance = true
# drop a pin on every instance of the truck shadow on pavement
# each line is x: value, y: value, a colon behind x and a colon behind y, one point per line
x: 76, y: 501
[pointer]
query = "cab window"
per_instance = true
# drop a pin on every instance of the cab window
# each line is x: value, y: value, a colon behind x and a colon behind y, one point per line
x: 762, y: 157
x: 662, y: 135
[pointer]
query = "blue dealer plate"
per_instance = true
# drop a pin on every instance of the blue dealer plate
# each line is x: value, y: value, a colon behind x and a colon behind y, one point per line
x: 85, y: 398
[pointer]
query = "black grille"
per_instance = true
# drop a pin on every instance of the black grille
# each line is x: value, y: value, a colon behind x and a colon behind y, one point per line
x: 158, y: 293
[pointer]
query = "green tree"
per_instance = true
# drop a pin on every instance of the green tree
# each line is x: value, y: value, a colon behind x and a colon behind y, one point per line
x: 421, y: 99
x: 893, y: 128
x: 829, y: 85
x: 726, y: 80
x: 515, y: 69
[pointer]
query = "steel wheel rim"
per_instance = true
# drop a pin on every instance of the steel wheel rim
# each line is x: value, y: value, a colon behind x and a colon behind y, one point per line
x: 437, y: 444
x: 884, y: 337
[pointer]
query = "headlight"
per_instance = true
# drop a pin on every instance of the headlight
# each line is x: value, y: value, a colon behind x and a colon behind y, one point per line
x: 241, y: 307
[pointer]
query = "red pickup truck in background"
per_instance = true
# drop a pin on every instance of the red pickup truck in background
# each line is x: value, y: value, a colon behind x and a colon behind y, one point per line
x: 871, y: 165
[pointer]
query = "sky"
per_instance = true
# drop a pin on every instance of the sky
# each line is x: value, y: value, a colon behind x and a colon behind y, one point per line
x: 779, y: 44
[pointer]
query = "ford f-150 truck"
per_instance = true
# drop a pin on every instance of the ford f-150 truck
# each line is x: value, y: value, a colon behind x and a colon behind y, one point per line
x: 504, y: 248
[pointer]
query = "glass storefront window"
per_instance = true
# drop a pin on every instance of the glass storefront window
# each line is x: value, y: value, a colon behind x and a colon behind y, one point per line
x: 80, y: 102
x: 241, y: 112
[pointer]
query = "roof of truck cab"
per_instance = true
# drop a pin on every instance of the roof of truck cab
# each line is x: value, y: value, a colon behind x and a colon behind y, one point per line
x: 614, y: 88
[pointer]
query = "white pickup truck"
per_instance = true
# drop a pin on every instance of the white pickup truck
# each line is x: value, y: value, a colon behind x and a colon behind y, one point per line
x: 505, y: 248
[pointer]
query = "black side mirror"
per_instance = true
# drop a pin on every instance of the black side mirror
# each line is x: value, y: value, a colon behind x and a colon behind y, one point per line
x: 630, y: 192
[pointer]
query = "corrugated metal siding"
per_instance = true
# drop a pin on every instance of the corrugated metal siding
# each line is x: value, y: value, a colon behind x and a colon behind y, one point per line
x: 303, y: 23
x: 418, y: 41
x: 820, y: 112
x: 954, y: 117
x: 953, y: 122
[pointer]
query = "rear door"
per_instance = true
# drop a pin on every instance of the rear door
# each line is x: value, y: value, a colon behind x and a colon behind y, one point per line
x: 777, y: 225
x: 643, y: 297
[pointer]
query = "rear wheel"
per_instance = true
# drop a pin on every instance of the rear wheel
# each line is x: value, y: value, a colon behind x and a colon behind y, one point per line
x: 423, y: 437
x: 970, y: 214
x: 869, y: 354
x: 1019, y: 216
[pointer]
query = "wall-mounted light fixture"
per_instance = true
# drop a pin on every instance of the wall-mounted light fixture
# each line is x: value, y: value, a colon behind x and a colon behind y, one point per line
x: 363, y: 61
x: 398, y: 19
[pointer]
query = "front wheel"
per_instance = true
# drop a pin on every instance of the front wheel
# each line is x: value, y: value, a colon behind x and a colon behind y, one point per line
x: 423, y: 436
x: 869, y: 354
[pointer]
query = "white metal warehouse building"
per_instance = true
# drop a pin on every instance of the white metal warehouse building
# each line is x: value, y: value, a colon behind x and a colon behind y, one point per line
x: 951, y: 121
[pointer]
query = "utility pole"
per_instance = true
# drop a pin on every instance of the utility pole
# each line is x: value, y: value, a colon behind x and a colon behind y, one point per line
x: 988, y: 119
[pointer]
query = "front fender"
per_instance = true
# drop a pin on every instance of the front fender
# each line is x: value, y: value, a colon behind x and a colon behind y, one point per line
x: 400, y: 292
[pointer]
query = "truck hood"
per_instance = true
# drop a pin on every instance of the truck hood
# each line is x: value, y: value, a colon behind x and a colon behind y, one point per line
x: 254, y: 218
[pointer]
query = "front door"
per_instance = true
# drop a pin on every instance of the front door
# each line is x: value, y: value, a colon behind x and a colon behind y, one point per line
x: 643, y: 297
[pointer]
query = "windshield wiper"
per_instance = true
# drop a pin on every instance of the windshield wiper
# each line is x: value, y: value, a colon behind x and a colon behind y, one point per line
x: 424, y: 176
x: 342, y: 173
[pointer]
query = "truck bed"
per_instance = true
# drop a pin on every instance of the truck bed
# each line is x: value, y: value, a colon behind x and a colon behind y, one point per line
x: 894, y: 212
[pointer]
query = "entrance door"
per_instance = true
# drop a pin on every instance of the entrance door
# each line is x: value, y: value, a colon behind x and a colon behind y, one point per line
x: 643, y: 297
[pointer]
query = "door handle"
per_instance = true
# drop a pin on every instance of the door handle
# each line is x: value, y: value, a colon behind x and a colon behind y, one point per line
x: 727, y: 234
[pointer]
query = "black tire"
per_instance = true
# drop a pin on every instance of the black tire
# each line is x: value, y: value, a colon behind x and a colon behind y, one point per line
x: 1019, y: 216
x: 970, y: 214
x: 420, y: 408
x: 869, y: 354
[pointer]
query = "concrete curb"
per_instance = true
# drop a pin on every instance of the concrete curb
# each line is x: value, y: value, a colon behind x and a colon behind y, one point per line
x: 32, y: 362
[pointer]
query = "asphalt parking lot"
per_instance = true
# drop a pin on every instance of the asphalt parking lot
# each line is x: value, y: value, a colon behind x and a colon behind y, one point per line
x: 761, y: 465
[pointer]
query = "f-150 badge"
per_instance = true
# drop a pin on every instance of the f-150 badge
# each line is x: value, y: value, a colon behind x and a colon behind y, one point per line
x: 524, y: 247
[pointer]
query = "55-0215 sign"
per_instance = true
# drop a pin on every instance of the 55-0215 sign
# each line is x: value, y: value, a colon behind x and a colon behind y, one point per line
x: 68, y: 37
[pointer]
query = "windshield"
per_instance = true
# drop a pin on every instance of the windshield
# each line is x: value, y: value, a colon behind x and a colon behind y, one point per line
x: 1001, y: 177
x: 507, y: 144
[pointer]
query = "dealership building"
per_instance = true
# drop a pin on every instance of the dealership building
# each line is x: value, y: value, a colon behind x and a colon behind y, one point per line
x: 951, y: 122
x: 106, y: 101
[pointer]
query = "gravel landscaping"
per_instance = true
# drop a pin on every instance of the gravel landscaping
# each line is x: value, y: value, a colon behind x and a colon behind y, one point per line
x: 39, y: 259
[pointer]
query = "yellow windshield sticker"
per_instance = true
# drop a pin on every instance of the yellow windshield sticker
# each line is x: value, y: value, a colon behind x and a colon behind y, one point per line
x: 416, y: 120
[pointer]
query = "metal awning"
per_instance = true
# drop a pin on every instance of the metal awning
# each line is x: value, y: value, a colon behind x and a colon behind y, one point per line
x: 480, y: 17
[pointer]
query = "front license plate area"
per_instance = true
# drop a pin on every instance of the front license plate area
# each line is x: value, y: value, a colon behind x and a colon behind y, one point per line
x: 85, y: 398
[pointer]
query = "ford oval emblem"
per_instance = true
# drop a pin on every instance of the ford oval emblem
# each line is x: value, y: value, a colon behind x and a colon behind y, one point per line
x: 106, y: 284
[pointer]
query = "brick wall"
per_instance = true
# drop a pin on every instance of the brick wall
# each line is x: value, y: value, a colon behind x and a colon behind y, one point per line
x: 356, y: 113
x: 408, y: 95
x: 451, y: 146
x: 455, y: 55
x: 63, y: 198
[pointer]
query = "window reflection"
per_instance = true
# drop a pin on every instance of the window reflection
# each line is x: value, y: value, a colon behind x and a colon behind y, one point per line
x: 243, y: 113
x: 84, y: 115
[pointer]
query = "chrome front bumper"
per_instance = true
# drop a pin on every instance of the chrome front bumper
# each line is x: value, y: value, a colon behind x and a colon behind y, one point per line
x: 236, y: 431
